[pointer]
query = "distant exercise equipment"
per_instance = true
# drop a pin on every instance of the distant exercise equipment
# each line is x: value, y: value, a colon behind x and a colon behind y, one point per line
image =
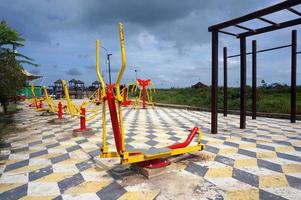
x: 145, y: 93
x: 80, y: 110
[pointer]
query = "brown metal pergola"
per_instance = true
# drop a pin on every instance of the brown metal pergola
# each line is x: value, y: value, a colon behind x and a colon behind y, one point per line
x: 271, y: 26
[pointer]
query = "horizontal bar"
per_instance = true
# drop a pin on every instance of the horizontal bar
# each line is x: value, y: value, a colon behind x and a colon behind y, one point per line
x: 243, y: 27
x: 256, y: 14
x: 299, y: 52
x: 294, y: 11
x: 263, y: 50
x: 227, y: 33
x: 282, y: 25
x: 267, y: 21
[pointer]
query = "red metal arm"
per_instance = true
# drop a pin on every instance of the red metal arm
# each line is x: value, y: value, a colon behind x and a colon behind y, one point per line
x: 193, y: 132
x: 114, y: 118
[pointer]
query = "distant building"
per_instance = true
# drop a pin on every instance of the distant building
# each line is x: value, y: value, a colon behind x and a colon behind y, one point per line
x: 199, y: 85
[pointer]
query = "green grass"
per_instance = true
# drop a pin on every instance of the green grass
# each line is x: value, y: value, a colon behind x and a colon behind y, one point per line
x: 271, y: 101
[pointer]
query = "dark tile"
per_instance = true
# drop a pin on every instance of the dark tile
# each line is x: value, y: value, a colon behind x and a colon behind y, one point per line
x: 211, y: 149
x: 19, y: 150
x: 245, y: 177
x: 151, y: 142
x: 224, y: 160
x: 282, y: 142
x: 111, y: 192
x: 174, y: 138
x: 82, y: 141
x: 288, y: 157
x: 58, y: 198
x: 128, y: 140
x: 171, y: 133
x: 15, y: 193
x: 40, y: 173
x: 35, y: 143
x: 261, y: 146
x: 197, y: 169
x: 264, y: 195
x: 297, y: 148
x: 16, y: 165
x: 269, y: 165
x: 63, y: 139
x: 4, y: 157
x: 151, y: 136
x: 249, y: 140
x: 94, y: 153
x: 60, y: 158
x: 48, y: 136
x: 247, y: 153
x: 52, y: 145
x: 38, y: 153
x: 232, y: 144
x: 294, y: 182
x: 70, y: 182
x: 73, y: 148
x: 4, y: 145
x: 84, y: 165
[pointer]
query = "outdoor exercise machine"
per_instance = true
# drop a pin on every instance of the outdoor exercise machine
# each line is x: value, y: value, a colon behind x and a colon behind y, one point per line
x: 59, y: 108
x: 80, y: 110
x: 149, y: 158
x: 145, y: 93
x: 125, y: 94
x: 37, y: 103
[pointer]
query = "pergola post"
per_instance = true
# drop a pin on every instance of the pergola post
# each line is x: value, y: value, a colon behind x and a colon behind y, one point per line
x: 243, y: 82
x: 254, y: 78
x: 214, y: 84
x: 225, y: 82
x: 293, y: 76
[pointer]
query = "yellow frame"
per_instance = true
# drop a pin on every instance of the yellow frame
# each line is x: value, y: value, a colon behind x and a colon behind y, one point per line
x: 73, y: 109
x: 128, y: 157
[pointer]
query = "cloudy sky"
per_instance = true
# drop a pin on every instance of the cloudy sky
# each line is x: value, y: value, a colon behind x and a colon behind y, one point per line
x: 166, y: 41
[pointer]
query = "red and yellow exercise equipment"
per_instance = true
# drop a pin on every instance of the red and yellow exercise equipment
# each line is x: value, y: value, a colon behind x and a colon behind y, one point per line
x: 150, y: 158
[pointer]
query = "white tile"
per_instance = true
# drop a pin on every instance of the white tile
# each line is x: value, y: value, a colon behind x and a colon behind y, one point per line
x: 43, y: 189
x: 10, y: 177
x: 59, y: 168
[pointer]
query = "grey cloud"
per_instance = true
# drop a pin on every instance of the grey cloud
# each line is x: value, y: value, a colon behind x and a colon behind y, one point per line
x: 73, y: 72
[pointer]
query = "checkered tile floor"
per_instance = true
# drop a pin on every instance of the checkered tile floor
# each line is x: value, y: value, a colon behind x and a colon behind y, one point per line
x: 44, y: 160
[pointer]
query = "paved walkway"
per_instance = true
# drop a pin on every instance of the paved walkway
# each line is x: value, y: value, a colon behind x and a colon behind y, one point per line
x: 44, y: 160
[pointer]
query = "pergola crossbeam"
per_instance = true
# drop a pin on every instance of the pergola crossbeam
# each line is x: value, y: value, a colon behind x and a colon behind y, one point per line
x: 256, y: 14
x: 267, y: 21
x: 228, y: 33
x: 294, y: 11
x: 244, y: 28
x: 282, y: 25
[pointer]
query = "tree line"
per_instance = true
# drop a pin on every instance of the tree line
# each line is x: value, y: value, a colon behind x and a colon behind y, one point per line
x: 12, y: 76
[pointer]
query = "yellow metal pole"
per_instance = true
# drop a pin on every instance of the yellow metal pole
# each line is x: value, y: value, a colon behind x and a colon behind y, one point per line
x: 103, y: 85
x: 123, y: 65
x: 104, y: 129
x: 121, y: 126
x: 69, y: 103
x: 199, y: 136
x: 50, y: 106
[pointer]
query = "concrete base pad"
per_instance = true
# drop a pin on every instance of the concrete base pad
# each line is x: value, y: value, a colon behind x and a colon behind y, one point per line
x: 48, y: 113
x: 84, y: 133
x: 106, y: 163
x: 151, y: 173
x: 58, y: 121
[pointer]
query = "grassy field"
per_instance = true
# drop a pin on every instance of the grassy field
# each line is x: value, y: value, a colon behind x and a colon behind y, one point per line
x: 273, y: 100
